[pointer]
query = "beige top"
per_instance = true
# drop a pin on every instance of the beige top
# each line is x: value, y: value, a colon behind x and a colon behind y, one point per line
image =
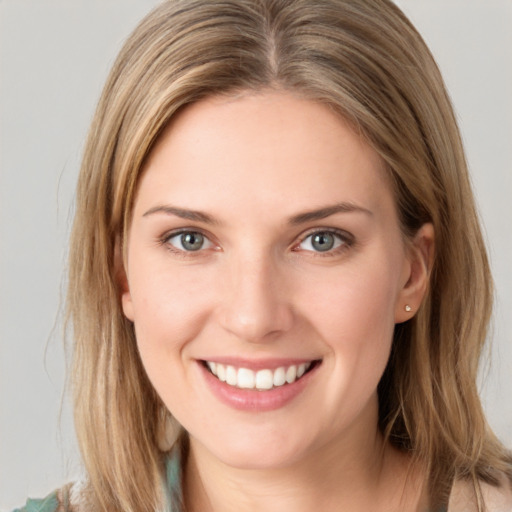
x: 497, y: 499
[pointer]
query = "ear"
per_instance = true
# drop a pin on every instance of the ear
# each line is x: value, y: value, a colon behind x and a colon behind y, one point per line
x: 121, y: 278
x: 417, y: 269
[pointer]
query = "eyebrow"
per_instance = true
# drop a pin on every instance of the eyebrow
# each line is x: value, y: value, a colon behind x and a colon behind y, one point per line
x: 301, y: 218
x: 183, y: 213
x: 327, y: 211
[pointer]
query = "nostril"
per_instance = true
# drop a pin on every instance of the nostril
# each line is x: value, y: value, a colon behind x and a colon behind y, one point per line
x: 262, y: 324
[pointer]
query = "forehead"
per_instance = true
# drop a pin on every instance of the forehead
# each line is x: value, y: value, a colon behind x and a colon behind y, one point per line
x: 257, y: 150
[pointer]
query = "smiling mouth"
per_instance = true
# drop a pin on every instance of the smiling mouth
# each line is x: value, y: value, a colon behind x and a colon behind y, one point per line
x: 260, y: 380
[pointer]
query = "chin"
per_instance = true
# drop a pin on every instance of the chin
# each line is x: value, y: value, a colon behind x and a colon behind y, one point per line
x: 258, y: 450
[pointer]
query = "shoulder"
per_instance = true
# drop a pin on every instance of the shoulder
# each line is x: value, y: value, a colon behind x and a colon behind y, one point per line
x: 66, y: 499
x: 496, y: 499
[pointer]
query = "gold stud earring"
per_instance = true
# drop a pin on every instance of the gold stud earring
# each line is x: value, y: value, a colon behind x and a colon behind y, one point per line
x: 408, y: 308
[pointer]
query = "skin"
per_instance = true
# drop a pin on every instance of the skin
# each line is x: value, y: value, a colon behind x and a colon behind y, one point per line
x: 260, y: 290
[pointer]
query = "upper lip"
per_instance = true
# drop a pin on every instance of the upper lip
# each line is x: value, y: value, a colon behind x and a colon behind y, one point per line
x: 259, y: 364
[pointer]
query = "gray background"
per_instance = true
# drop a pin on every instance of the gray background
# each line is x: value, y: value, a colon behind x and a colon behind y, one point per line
x: 54, y: 56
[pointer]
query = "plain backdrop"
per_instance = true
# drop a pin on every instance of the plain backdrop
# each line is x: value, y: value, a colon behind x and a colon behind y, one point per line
x: 54, y: 57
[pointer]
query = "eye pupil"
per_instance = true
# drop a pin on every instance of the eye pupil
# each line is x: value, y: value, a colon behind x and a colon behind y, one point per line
x: 323, y: 241
x: 192, y: 241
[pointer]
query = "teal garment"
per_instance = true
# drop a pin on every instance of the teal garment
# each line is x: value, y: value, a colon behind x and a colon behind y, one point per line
x: 48, y: 504
x: 174, y: 479
x: 59, y: 500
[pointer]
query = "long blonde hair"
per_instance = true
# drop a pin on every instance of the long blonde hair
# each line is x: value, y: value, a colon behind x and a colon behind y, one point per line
x: 365, y: 60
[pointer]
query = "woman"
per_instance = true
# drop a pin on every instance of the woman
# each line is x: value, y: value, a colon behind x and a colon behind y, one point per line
x: 273, y: 235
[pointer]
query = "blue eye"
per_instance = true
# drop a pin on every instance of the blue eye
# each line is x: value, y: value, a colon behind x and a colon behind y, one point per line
x: 322, y: 241
x: 189, y: 241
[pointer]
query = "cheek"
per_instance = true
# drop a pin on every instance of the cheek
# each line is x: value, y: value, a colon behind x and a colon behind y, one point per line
x: 169, y: 313
x: 350, y: 303
x: 353, y: 312
x: 355, y: 318
x: 167, y: 310
x: 168, y: 307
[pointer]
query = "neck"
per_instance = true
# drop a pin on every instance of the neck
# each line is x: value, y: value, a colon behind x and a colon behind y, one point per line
x: 340, y: 475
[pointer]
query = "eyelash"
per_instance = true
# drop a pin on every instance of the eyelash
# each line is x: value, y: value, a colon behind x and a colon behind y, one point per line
x: 344, y: 240
x: 165, y: 241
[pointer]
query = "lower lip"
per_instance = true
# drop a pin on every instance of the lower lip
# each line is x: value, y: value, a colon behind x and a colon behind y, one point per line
x: 253, y: 399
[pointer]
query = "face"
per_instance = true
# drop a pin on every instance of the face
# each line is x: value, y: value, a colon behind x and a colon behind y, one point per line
x: 265, y: 271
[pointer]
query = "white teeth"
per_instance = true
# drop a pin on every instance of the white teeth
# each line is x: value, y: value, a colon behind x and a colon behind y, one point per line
x: 262, y: 379
x: 291, y: 374
x: 280, y: 376
x: 231, y: 376
x: 246, y: 379
x: 221, y: 372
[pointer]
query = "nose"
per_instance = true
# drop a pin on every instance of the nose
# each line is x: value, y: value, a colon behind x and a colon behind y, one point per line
x: 255, y: 305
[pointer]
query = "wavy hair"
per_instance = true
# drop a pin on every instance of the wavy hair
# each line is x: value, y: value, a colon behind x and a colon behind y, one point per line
x: 366, y: 61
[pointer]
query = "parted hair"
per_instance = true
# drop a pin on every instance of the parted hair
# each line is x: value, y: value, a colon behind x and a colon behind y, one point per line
x: 366, y: 61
